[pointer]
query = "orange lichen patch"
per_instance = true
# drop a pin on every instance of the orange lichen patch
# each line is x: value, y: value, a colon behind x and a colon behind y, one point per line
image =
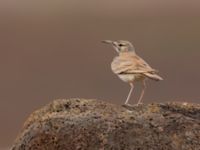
x: 154, y: 108
x: 177, y: 142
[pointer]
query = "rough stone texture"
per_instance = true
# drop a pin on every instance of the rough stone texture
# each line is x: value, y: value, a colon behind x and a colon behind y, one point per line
x: 86, y: 124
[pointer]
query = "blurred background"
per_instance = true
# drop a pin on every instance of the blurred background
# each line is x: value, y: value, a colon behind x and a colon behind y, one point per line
x: 52, y: 49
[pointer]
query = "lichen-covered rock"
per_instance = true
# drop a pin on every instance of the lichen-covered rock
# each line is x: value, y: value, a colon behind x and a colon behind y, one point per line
x: 82, y: 124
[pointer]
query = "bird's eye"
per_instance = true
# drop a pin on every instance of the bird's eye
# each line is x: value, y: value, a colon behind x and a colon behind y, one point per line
x: 121, y: 45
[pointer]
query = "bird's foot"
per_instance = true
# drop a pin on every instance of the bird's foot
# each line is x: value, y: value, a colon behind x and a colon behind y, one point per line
x: 127, y: 105
x: 138, y: 104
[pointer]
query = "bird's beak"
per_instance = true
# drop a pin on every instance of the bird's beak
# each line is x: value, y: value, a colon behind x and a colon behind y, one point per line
x: 107, y: 42
x: 113, y: 43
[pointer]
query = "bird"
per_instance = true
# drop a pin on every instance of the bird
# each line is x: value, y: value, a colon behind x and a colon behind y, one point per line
x: 130, y: 67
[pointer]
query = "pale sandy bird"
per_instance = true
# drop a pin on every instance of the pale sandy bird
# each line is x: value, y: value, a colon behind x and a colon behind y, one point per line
x: 130, y: 67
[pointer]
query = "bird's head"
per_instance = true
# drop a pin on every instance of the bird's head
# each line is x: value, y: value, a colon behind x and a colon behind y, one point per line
x: 121, y: 45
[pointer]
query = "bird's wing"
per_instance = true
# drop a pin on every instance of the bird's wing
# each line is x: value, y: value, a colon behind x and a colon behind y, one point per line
x: 141, y: 65
x: 130, y: 64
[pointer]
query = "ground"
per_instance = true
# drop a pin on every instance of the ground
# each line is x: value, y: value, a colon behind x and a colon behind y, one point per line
x: 88, y: 124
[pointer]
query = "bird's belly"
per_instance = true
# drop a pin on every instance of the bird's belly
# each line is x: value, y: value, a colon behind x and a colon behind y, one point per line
x: 127, y: 77
x: 131, y: 77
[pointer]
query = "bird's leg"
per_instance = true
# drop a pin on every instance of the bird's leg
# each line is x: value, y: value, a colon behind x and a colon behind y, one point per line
x: 142, y: 93
x: 129, y: 94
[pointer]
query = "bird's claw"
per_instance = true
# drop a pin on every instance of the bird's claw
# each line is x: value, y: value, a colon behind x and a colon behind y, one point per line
x: 126, y: 105
x: 139, y: 104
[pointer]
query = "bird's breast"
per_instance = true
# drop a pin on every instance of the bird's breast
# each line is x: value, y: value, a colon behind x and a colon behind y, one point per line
x: 120, y: 65
x: 123, y: 66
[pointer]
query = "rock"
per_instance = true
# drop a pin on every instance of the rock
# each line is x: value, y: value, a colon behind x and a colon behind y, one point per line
x: 86, y: 124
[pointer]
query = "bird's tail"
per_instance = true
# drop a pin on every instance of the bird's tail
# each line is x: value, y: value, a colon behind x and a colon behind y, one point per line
x: 153, y: 76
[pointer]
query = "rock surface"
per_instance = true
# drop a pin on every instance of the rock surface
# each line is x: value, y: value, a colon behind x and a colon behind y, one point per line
x: 86, y: 124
